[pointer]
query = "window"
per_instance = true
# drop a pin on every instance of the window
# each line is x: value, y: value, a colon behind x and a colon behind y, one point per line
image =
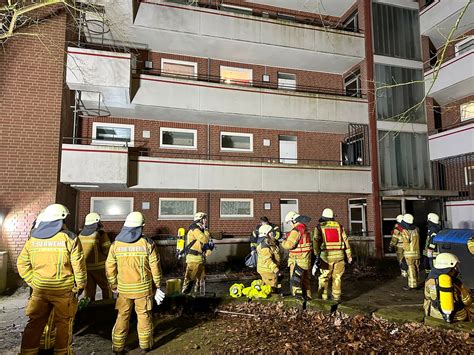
x: 396, y: 32
x: 358, y: 216
x: 112, y: 133
x: 236, y: 9
x: 178, y: 138
x: 286, y: 17
x: 465, y: 45
x: 467, y: 111
x: 352, y: 84
x: 234, y: 75
x: 399, y: 102
x: 177, y: 208
x: 469, y: 174
x: 352, y: 23
x: 242, y: 142
x: 235, y: 207
x: 112, y: 208
x: 286, y: 81
x: 178, y: 68
x: 353, y: 150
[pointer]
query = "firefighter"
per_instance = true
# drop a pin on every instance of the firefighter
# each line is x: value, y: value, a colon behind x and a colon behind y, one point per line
x: 52, y: 264
x: 133, y: 269
x: 198, y: 247
x: 446, y: 297
x: 298, y: 243
x: 268, y: 261
x: 430, y: 251
x: 254, y: 241
x: 331, y: 246
x: 96, y: 245
x: 411, y: 250
x: 470, y: 245
x: 396, y: 244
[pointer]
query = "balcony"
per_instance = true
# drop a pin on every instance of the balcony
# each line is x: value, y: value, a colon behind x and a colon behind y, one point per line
x: 453, y: 142
x: 455, y: 79
x: 195, y: 31
x: 437, y: 20
x: 102, y: 167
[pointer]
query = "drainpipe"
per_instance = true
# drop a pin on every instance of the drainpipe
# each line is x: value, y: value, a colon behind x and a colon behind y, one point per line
x: 369, y: 57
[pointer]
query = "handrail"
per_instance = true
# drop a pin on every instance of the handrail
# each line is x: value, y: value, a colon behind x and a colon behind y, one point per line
x: 252, y: 83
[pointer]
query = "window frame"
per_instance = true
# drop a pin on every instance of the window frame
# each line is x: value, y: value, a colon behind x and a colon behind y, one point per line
x: 466, y: 175
x: 239, y: 134
x: 177, y: 217
x: 96, y: 141
x: 237, y: 200
x: 111, y: 219
x: 179, y: 62
x: 460, y: 43
x: 235, y: 81
x: 184, y: 130
x: 353, y: 77
x: 285, y: 86
x: 352, y: 203
x: 354, y: 17
x: 461, y: 111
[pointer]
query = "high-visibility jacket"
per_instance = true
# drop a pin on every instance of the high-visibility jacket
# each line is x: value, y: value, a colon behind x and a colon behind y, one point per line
x: 254, y: 239
x: 96, y: 248
x: 470, y: 246
x: 330, y: 242
x: 195, y: 240
x: 298, y: 243
x: 397, y: 239
x: 133, y: 268
x: 268, y: 258
x: 53, y: 265
x: 430, y: 246
x: 411, y: 243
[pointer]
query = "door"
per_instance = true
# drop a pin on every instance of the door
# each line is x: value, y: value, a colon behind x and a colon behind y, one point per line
x: 288, y: 149
x: 285, y: 207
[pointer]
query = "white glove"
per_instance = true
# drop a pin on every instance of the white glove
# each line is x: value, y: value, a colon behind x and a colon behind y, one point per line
x: 315, y: 269
x: 159, y: 297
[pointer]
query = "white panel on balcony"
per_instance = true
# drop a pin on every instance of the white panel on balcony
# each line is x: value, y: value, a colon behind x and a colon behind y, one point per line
x: 456, y: 141
x: 455, y: 79
x: 99, y: 71
x: 187, y: 174
x: 324, y: 7
x: 94, y: 165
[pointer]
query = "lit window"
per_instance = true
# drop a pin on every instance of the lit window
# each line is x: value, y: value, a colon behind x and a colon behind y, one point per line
x: 177, y: 208
x: 112, y: 208
x: 178, y: 68
x: 178, y: 138
x: 236, y: 208
x: 465, y: 45
x: 232, y: 141
x: 467, y: 111
x: 112, y: 134
x: 286, y: 81
x: 234, y: 75
x: 352, y: 84
x: 469, y: 174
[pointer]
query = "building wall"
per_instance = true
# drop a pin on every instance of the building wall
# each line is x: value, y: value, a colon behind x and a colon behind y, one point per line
x: 31, y: 112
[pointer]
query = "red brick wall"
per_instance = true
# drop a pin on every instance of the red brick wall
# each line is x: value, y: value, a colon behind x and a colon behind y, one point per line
x: 311, y: 145
x: 310, y: 204
x: 31, y: 87
x: 451, y: 113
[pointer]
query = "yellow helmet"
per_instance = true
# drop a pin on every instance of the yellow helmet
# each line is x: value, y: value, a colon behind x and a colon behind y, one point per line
x: 433, y: 217
x: 199, y: 216
x: 399, y: 218
x: 92, y: 218
x: 236, y: 290
x: 291, y: 216
x: 134, y: 219
x: 54, y: 212
x: 328, y: 213
x: 264, y: 230
x: 445, y: 260
x: 408, y: 218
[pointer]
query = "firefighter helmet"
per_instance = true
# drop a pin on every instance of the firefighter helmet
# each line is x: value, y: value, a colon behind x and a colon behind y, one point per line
x: 54, y: 212
x: 445, y: 260
x: 264, y: 230
x: 408, y: 218
x: 92, y: 218
x: 199, y: 216
x: 134, y: 219
x: 291, y: 216
x: 433, y: 217
x: 399, y: 218
x: 328, y: 213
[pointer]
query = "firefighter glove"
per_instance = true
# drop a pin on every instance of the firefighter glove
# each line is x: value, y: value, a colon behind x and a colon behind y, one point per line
x: 159, y: 296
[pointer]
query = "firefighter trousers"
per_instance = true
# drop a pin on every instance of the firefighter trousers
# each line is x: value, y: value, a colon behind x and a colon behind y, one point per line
x: 48, y: 338
x: 194, y: 275
x: 269, y: 278
x: 399, y: 252
x: 97, y: 278
x: 302, y: 288
x: 331, y: 271
x: 413, y: 271
x: 38, y: 310
x: 143, y: 309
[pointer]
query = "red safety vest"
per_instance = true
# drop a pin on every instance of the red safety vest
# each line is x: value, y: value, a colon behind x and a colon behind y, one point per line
x: 304, y: 243
x: 332, y: 236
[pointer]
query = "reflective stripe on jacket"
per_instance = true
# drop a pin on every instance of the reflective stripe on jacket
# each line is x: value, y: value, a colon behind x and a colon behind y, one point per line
x: 268, y: 259
x: 299, y: 245
x: 411, y: 243
x: 199, y: 237
x: 96, y: 248
x: 397, y: 239
x: 330, y: 242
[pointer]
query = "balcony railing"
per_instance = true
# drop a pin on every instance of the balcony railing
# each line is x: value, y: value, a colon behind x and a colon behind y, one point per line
x: 455, y: 174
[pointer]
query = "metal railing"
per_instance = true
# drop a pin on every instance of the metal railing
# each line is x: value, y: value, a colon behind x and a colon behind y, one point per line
x: 253, y: 83
x: 455, y: 174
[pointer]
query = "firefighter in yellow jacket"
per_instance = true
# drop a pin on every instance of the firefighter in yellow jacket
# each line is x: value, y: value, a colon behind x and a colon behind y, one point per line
x: 446, y: 297
x: 396, y: 244
x: 411, y: 250
x: 96, y: 244
x: 198, y: 247
x: 268, y: 258
x: 298, y: 243
x: 52, y: 264
x: 331, y: 246
x: 133, y: 270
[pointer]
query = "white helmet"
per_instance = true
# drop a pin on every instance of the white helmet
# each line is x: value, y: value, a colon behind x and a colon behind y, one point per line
x: 264, y: 230
x: 38, y: 220
x: 399, y: 218
x: 291, y: 216
x: 327, y: 213
x: 445, y: 260
x: 54, y: 212
x: 433, y: 217
x: 408, y: 218
x: 198, y: 216
x: 92, y: 218
x: 134, y: 219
